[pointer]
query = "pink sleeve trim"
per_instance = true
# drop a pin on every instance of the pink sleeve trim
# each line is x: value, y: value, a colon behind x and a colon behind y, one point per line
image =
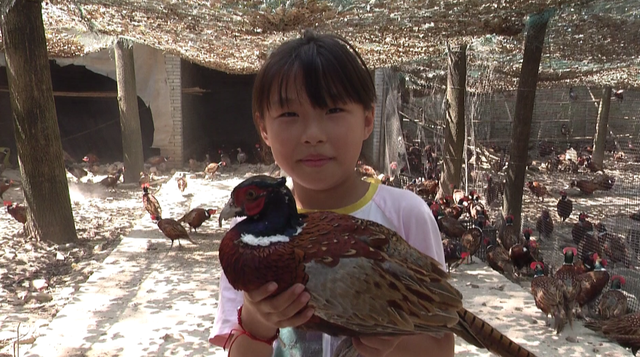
x: 413, y: 220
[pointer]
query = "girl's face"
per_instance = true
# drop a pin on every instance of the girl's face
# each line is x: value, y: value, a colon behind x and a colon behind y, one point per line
x: 318, y: 148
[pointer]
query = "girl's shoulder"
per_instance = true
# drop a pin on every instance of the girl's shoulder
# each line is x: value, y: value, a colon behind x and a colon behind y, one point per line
x: 399, y: 200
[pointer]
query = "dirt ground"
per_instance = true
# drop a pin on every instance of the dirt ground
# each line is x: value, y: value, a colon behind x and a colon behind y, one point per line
x: 37, y: 279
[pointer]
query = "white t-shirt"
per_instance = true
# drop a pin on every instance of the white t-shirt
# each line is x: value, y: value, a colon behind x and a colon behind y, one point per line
x: 397, y: 209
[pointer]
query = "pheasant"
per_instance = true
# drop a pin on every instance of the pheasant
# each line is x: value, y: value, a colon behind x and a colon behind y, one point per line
x: 182, y: 183
x: 172, y: 230
x: 212, y: 168
x: 196, y: 217
x: 564, y: 206
x: 625, y: 330
x: 613, y: 303
x: 340, y: 258
x: 592, y: 283
x: 509, y: 235
x: 241, y: 157
x: 19, y: 213
x: 112, y: 181
x: 544, y: 225
x: 150, y: 202
x: 5, y: 184
x: 548, y: 294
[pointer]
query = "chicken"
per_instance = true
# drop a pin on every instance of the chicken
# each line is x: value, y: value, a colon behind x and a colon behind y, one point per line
x: 157, y: 160
x: 19, y: 213
x: 212, y: 168
x: 537, y: 189
x: 544, y: 224
x: 581, y: 228
x: 172, y: 230
x: 548, y: 293
x: 112, y: 181
x: 196, y: 217
x: 564, y: 206
x: 241, y: 157
x: 182, y: 182
x: 76, y: 171
x: 150, y: 202
x: 613, y: 303
x: 5, y: 184
x: 586, y: 187
x: 452, y: 253
x: 509, y: 234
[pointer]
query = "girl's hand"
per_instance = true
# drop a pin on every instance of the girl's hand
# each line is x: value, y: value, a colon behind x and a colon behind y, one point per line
x: 375, y: 346
x: 263, y: 314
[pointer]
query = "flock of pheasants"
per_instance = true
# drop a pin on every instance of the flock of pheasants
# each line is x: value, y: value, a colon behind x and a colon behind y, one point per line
x: 581, y: 287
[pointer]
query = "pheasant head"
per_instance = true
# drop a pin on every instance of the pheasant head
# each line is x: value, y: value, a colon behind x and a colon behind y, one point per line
x: 617, y: 282
x: 569, y: 253
x: 268, y: 205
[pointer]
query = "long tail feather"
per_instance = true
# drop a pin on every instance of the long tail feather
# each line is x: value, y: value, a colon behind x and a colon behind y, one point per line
x: 492, y: 339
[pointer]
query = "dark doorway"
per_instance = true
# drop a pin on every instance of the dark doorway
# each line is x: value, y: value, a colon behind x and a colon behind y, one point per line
x: 89, y: 122
x: 221, y: 117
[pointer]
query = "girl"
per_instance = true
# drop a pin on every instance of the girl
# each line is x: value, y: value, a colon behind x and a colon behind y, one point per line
x: 313, y: 104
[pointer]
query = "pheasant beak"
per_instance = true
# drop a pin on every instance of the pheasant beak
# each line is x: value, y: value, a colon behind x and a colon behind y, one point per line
x: 229, y: 211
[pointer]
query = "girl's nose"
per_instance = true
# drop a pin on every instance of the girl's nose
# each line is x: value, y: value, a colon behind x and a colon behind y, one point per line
x: 314, y: 132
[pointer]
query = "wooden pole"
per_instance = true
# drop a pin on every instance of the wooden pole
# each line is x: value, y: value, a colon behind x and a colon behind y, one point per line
x: 600, y: 136
x: 454, y: 133
x: 44, y: 180
x: 523, y: 115
x: 129, y: 117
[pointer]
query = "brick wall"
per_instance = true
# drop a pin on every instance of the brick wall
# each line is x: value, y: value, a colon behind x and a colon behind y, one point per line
x: 174, y: 148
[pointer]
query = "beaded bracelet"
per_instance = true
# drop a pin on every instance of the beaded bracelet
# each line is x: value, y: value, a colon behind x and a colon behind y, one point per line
x: 242, y: 331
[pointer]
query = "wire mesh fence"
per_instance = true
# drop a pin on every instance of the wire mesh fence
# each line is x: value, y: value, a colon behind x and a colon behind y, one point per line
x: 564, y: 125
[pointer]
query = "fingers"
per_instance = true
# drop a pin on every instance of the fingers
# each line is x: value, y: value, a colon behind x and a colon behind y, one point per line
x: 283, y: 310
x: 261, y: 293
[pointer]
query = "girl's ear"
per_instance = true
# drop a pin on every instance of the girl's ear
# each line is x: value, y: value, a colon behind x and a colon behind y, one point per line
x: 369, y: 116
x: 263, y: 129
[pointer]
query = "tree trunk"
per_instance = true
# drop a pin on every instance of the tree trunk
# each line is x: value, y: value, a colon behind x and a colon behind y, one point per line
x: 523, y: 115
x: 454, y: 132
x: 129, y: 115
x: 600, y: 138
x: 44, y: 180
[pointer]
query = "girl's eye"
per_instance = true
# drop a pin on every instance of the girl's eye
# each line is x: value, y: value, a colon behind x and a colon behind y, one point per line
x: 334, y: 110
x: 288, y: 114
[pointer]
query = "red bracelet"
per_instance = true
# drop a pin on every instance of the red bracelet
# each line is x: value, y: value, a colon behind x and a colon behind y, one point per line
x: 242, y: 331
